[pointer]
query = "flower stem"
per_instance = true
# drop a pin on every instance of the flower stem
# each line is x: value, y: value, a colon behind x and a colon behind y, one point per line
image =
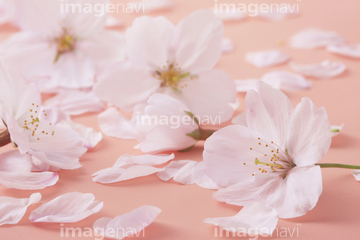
x: 4, y: 138
x: 205, y: 133
x: 337, y: 165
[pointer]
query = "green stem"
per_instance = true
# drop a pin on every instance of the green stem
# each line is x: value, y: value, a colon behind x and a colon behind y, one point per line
x: 205, y: 133
x: 337, y: 165
x: 4, y: 138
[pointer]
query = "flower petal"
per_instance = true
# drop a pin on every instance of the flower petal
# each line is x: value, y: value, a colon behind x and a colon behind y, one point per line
x: 201, y: 178
x: 286, y: 81
x: 66, y: 208
x: 325, y: 69
x: 268, y: 58
x: 112, y: 123
x: 181, y: 171
x: 113, y: 22
x: 145, y: 159
x: 335, y: 130
x: 309, y: 134
x: 240, y: 119
x: 197, y: 41
x: 13, y: 209
x: 345, y: 50
x: 151, y: 5
x: 246, y: 85
x: 154, y: 51
x: 133, y: 222
x: 113, y: 174
x: 75, y: 102
x: 268, y: 112
x: 356, y: 174
x: 314, y: 38
x: 255, y: 216
x: 88, y: 135
x: 28, y: 180
x: 125, y: 85
x: 227, y: 45
x: 14, y: 161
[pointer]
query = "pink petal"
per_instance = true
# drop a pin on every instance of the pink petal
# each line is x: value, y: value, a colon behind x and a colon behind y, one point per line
x: 88, y: 135
x: 125, y: 85
x: 28, y: 180
x: 153, y: 52
x: 66, y: 208
x: 112, y: 123
x: 345, y: 50
x: 227, y: 46
x: 133, y: 222
x: 75, y: 102
x: 113, y: 174
x: 198, y: 41
x: 246, y: 85
x: 325, y: 69
x: 255, y: 216
x: 314, y: 38
x: 181, y: 171
x: 309, y: 134
x: 210, y: 95
x: 286, y: 81
x: 13, y: 209
x: 266, y: 58
x: 356, y: 174
x: 13, y: 161
x: 113, y: 22
x: 151, y: 5
x: 8, y: 12
x: 145, y: 159
x: 240, y: 119
x: 201, y: 178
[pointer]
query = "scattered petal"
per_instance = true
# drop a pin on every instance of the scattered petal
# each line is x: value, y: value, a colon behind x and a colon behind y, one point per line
x: 227, y: 45
x: 268, y: 58
x: 151, y: 5
x: 67, y: 208
x: 325, y: 69
x: 345, y: 50
x: 145, y: 159
x: 314, y: 38
x: 356, y: 174
x: 133, y: 222
x: 252, y: 217
x: 286, y: 81
x: 13, y: 209
x: 75, y: 102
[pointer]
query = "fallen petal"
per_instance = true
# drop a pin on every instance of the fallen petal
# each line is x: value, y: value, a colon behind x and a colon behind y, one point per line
x: 67, y: 208
x: 325, y: 69
x: 29, y: 180
x: 314, y: 38
x: 268, y: 58
x: 13, y: 209
x: 356, y: 174
x: 145, y: 159
x: 252, y: 217
x: 286, y: 81
x: 227, y: 45
x: 345, y: 50
x: 128, y: 223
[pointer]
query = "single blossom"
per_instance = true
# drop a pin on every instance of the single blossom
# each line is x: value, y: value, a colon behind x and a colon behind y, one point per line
x: 174, y: 60
x: 132, y: 223
x: 60, y: 49
x: 272, y: 160
x: 20, y: 106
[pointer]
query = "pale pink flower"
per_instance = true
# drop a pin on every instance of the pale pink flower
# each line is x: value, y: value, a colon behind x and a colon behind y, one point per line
x: 175, y: 60
x: 20, y: 106
x: 272, y: 160
x: 60, y: 49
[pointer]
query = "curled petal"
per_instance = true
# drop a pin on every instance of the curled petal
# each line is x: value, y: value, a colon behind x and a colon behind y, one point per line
x: 13, y: 209
x: 345, y: 50
x: 313, y: 38
x: 266, y: 58
x: 255, y: 216
x: 325, y: 69
x: 66, y: 208
x: 132, y: 223
x: 356, y: 174
x: 181, y: 171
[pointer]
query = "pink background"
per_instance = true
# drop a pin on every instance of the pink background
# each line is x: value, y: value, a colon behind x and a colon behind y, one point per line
x: 337, y: 214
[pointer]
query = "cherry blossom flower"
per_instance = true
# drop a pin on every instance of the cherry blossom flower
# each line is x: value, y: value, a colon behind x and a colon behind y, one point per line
x: 20, y: 106
x: 272, y: 160
x: 175, y: 60
x: 60, y: 49
x: 132, y: 223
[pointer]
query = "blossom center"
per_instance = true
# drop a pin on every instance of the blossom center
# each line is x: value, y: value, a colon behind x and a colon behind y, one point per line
x: 171, y: 75
x: 65, y: 43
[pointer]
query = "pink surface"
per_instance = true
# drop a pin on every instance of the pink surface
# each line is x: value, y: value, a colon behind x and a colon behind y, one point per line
x: 337, y: 214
